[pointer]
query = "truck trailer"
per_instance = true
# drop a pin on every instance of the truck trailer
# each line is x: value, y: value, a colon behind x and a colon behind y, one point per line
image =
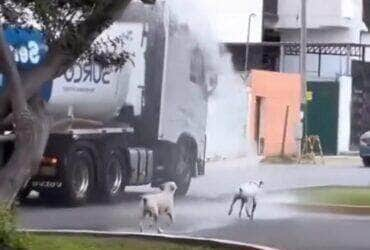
x: 142, y: 124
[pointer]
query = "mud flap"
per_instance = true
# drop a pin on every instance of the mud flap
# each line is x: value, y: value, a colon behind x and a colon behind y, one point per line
x: 201, y: 167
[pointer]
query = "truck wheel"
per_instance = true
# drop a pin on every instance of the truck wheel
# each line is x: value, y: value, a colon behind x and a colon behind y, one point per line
x: 114, y: 175
x: 366, y: 161
x: 183, y: 170
x: 79, y: 177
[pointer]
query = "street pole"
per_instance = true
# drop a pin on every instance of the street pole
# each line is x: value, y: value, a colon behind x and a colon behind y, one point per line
x: 249, y: 95
x: 302, y: 130
x: 247, y: 43
x: 303, y: 52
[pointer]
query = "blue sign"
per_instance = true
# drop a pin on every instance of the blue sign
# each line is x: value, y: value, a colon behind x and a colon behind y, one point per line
x: 29, y: 49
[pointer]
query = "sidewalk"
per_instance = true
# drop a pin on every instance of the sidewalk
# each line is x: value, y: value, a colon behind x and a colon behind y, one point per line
x: 224, y: 176
x: 335, y: 160
x: 343, y: 160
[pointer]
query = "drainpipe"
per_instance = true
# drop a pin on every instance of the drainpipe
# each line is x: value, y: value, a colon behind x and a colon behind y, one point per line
x: 247, y: 44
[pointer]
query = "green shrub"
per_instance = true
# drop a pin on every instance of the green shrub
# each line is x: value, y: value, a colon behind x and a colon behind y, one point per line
x: 10, y: 238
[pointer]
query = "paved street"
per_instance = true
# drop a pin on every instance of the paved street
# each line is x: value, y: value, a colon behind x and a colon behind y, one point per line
x: 204, y: 211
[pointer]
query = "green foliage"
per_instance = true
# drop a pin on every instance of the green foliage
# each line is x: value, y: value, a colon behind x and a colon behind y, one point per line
x: 53, y: 17
x: 333, y: 195
x: 46, y: 242
x: 9, y: 237
x: 66, y: 23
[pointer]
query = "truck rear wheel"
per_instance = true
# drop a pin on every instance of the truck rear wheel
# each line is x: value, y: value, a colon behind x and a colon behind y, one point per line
x: 79, y: 177
x: 183, y: 170
x: 114, y: 175
x: 183, y: 179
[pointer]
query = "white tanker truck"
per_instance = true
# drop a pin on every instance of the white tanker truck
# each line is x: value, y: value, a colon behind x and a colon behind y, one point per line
x: 147, y: 121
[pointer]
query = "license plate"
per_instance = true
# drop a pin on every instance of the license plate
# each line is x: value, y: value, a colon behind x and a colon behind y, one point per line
x: 47, y: 184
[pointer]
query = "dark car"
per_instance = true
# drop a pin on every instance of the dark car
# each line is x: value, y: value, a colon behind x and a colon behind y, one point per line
x: 365, y: 148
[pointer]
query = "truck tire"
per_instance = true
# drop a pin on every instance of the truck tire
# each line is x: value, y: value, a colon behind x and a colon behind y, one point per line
x: 78, y: 176
x: 183, y: 170
x: 114, y: 175
x: 366, y: 161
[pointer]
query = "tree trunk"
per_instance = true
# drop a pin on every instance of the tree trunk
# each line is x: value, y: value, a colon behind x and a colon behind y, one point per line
x: 31, y: 127
x: 32, y: 132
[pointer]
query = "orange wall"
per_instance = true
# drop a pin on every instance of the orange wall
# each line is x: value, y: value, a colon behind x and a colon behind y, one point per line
x: 278, y: 90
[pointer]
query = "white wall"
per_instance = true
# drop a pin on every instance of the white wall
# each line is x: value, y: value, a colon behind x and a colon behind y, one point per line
x: 365, y: 39
x: 344, y: 117
x: 331, y: 66
x: 320, y: 14
x: 325, y: 35
x: 227, y: 118
x: 229, y: 18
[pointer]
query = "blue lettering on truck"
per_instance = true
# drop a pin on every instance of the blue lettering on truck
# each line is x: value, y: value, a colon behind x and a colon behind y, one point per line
x: 87, y: 72
x: 29, y: 49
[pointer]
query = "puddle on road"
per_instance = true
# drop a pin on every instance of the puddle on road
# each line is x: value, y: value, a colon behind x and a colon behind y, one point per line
x: 192, y: 213
x: 330, y: 195
x: 353, y: 200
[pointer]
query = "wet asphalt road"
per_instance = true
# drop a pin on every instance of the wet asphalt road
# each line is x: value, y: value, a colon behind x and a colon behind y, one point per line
x: 204, y: 211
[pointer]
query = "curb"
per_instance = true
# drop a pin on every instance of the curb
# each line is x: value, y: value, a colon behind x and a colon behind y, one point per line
x: 163, y: 237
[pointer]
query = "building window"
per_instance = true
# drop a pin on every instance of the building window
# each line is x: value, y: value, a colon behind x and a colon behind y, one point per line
x: 197, y: 66
x: 270, y: 7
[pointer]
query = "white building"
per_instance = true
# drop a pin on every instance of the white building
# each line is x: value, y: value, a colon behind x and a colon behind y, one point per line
x: 340, y: 25
x: 335, y: 21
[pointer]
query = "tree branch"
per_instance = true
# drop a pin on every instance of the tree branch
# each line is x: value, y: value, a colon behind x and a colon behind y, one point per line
x: 14, y: 174
x: 60, y: 57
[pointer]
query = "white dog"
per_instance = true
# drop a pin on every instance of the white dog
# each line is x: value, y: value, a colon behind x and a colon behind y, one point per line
x: 245, y: 192
x: 161, y: 203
